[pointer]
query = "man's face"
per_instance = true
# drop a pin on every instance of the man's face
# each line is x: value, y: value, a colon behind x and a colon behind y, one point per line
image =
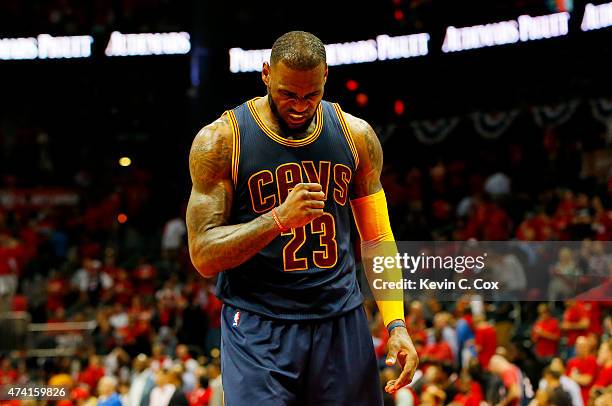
x: 582, y: 346
x: 294, y: 95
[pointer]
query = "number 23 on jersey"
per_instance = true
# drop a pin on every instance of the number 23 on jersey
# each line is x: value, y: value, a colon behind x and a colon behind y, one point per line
x: 324, y: 227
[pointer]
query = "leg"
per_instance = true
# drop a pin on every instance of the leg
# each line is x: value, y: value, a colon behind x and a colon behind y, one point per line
x: 261, y: 359
x: 343, y: 370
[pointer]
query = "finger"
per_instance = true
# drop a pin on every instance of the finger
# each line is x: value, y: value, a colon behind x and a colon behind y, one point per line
x: 390, y: 386
x: 313, y: 187
x: 314, y: 213
x: 316, y: 195
x: 404, y: 379
x: 392, y: 354
x: 317, y: 204
x: 407, y: 373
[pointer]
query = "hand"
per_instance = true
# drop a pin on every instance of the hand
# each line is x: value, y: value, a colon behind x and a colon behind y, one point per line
x: 304, y: 203
x: 402, y: 351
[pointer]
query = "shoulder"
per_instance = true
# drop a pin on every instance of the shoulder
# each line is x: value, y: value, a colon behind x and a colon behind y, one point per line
x: 216, y: 135
x: 366, y: 141
x: 211, y: 149
x: 360, y: 129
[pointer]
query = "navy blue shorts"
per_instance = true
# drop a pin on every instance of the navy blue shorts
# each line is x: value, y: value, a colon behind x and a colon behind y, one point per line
x: 267, y: 362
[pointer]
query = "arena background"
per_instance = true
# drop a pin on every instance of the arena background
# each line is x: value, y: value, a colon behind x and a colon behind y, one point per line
x: 92, y: 242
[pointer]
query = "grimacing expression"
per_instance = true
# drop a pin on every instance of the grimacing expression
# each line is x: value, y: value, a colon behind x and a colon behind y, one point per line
x: 295, y: 94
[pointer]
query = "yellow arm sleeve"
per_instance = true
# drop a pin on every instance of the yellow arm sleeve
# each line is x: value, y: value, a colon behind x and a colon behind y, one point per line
x: 372, y: 220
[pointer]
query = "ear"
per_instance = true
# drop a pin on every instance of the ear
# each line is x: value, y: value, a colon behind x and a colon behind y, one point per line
x: 326, y: 72
x: 265, y: 74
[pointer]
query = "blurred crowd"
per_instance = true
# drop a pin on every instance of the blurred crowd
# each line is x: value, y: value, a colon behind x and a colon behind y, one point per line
x: 156, y: 333
x: 505, y: 353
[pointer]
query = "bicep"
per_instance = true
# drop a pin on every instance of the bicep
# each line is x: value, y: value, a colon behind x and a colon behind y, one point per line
x: 210, y: 208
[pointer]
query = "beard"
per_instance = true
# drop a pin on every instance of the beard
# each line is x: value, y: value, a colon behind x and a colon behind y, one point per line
x: 288, y: 131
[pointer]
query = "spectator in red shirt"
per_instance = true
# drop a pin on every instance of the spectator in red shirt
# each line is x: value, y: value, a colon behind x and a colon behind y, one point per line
x: 438, y: 352
x: 485, y: 340
x: 575, y: 323
x: 182, y: 353
x: 57, y: 289
x: 123, y: 288
x: 8, y: 374
x: 545, y: 334
x: 511, y: 377
x: 200, y: 395
x: 604, y: 360
x: 19, y: 303
x: 159, y: 359
x: 92, y: 374
x: 583, y: 368
x: 144, y: 278
x: 470, y: 391
x: 593, y: 309
x: 537, y: 228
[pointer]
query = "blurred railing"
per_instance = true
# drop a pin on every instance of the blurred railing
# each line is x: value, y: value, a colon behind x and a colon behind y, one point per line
x: 17, y: 333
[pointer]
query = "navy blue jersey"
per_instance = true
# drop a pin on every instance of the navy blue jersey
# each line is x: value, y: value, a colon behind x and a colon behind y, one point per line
x: 309, y: 272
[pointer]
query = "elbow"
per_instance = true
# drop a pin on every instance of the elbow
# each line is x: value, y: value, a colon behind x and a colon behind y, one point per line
x: 202, y: 263
x: 205, y: 268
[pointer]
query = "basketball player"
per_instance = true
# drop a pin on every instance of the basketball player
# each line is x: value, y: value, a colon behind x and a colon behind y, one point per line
x: 274, y: 182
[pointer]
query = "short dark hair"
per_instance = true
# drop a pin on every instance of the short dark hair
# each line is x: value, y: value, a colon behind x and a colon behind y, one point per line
x: 299, y: 50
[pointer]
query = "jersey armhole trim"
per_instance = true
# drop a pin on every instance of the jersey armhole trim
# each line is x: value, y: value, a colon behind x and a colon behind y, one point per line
x: 347, y: 133
x: 235, y: 145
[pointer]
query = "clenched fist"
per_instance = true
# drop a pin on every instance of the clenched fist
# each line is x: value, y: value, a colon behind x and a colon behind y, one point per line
x: 303, y: 204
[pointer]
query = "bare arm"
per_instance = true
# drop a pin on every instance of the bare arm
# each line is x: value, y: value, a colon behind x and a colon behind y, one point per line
x: 579, y: 325
x: 581, y: 379
x: 547, y: 335
x: 366, y: 183
x: 215, y: 246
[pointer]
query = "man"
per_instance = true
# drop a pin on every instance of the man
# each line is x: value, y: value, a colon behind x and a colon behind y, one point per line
x: 568, y: 385
x: 575, y: 323
x: 269, y: 214
x: 107, y: 392
x: 545, y: 334
x: 583, y: 367
x: 604, y: 360
x: 442, y: 321
x: 511, y: 378
x: 142, y: 381
x: 557, y: 394
x: 485, y: 340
